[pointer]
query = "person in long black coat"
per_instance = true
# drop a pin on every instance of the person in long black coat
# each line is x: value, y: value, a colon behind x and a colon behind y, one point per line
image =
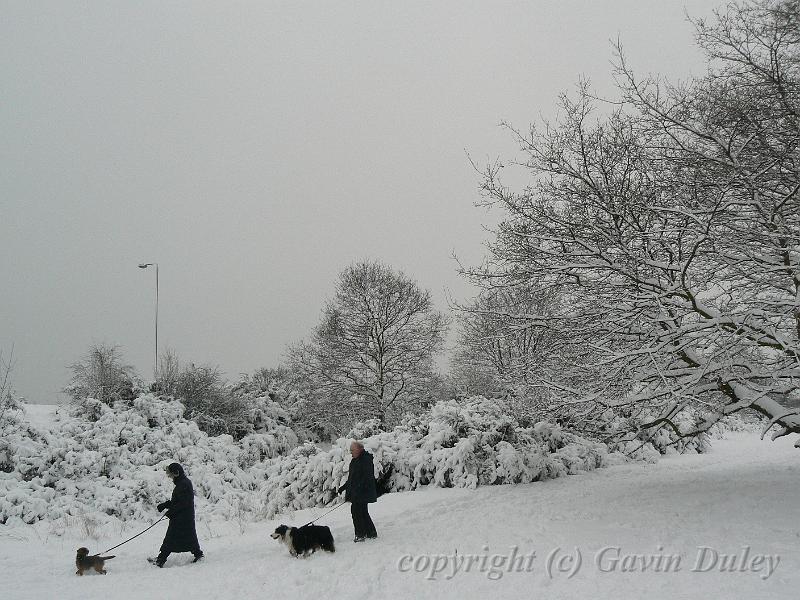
x: 181, y: 534
x: 360, y: 491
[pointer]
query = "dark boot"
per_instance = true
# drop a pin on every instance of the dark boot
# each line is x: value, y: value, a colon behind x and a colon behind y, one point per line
x: 157, y: 561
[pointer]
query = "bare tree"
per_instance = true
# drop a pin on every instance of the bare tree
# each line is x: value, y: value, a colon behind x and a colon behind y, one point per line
x: 671, y: 229
x: 210, y: 401
x: 372, y: 352
x: 209, y: 398
x: 102, y: 375
x: 169, y: 373
x: 498, y: 345
x: 9, y: 402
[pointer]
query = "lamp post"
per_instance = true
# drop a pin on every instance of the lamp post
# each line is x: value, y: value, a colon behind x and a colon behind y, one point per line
x: 155, y: 362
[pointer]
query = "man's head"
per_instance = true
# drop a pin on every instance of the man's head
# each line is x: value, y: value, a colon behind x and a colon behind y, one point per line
x: 356, y: 448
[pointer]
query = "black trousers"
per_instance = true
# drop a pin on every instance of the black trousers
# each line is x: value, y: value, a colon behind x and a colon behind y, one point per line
x: 362, y: 522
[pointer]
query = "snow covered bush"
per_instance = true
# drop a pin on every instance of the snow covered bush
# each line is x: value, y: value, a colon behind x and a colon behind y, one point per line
x: 366, y: 429
x: 86, y: 472
x: 218, y: 406
x: 209, y: 400
x: 628, y: 434
x: 648, y: 443
x: 101, y: 375
x: 455, y: 444
x: 18, y: 439
x: 114, y: 463
x: 749, y: 421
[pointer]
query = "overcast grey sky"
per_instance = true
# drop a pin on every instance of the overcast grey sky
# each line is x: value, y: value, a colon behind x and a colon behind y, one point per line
x: 254, y: 149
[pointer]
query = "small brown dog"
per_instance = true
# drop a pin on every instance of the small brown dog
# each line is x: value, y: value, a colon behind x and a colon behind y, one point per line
x: 84, y: 562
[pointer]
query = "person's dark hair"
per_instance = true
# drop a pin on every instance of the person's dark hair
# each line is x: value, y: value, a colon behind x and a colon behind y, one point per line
x: 175, y: 470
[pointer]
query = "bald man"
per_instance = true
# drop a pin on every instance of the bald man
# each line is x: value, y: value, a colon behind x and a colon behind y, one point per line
x: 360, y: 491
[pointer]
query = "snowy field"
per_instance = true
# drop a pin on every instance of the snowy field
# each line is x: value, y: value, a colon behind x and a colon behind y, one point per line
x: 741, y: 495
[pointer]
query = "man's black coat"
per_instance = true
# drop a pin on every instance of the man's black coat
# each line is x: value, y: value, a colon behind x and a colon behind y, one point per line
x: 181, y: 534
x: 360, y: 484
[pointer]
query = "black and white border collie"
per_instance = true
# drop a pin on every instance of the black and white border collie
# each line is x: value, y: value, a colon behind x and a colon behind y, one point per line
x: 305, y: 540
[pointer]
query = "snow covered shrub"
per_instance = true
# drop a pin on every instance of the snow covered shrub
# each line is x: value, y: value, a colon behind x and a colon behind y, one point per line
x: 308, y: 412
x: 19, y: 441
x: 98, y: 471
x: 456, y: 444
x: 20, y: 446
x: 113, y: 465
x: 158, y: 411
x: 278, y: 384
x: 102, y: 375
x: 264, y: 413
x: 366, y: 428
x: 210, y: 401
x: 88, y: 408
x: 219, y: 408
x: 271, y: 433
x: 638, y: 451
x: 746, y: 420
x: 679, y: 435
x: 306, y: 477
x: 313, y: 414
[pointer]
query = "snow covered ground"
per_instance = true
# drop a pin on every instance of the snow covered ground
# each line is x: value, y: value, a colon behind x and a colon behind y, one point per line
x: 41, y: 415
x: 742, y: 494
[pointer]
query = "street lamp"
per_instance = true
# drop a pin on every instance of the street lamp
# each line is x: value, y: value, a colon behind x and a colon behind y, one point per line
x: 155, y: 362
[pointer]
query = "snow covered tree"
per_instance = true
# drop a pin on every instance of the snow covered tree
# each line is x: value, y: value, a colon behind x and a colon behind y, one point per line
x: 101, y: 375
x: 168, y: 374
x: 372, y: 353
x: 670, y: 228
x: 8, y: 397
x: 498, y: 346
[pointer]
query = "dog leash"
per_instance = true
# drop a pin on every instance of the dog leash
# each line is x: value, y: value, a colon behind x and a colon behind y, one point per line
x: 133, y: 538
x: 327, y: 513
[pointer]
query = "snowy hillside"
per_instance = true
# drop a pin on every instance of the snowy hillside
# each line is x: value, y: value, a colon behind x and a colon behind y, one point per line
x: 731, y: 498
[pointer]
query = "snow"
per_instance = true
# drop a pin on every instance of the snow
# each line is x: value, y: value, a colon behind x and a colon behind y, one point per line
x: 108, y: 462
x: 41, y: 416
x: 110, y: 465
x: 740, y: 493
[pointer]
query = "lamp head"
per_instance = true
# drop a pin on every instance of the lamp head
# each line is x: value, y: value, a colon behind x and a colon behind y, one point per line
x: 144, y: 265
